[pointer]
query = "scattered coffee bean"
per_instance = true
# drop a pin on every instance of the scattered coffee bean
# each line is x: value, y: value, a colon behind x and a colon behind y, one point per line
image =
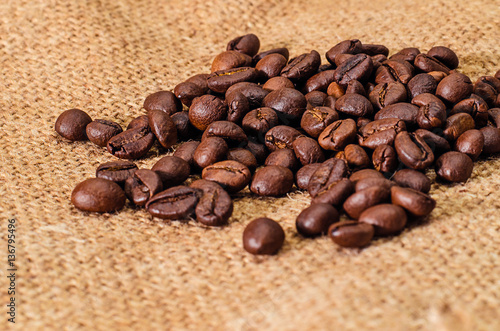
x: 330, y: 171
x: 362, y: 200
x: 338, y: 135
x: 205, y: 110
x: 259, y: 121
x: 385, y: 159
x: 229, y: 60
x: 336, y: 193
x: 413, y: 151
x: 131, y: 144
x: 215, y: 206
x: 315, y: 120
x: 116, y: 171
x: 98, y: 195
x: 281, y: 136
x: 209, y: 151
x: 186, y: 151
x: 263, y: 236
x: 412, y: 179
x: 101, y: 131
x: 365, y: 173
x: 164, y: 101
x: 316, y: 219
x: 454, y: 167
x: 302, y: 67
x: 175, y: 203
x: 231, y: 175
x: 351, y: 233
x: 387, y: 219
x: 71, y: 124
x: 491, y: 140
x: 172, y: 170
x: 142, y: 185
x: 272, y: 181
x: 470, y: 142
x: 243, y: 156
x: 415, y: 202
x: 307, y: 150
x: 230, y: 132
x: 163, y: 127
x: 304, y: 174
x: 373, y: 181
x: 454, y: 88
x: 248, y: 44
x: 289, y: 103
x: 284, y: 158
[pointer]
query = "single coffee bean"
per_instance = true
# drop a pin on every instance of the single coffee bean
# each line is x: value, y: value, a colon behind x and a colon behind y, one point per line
x: 394, y: 71
x: 315, y: 99
x: 101, y: 131
x: 406, y: 54
x: 220, y: 81
x: 172, y: 170
x: 378, y: 60
x: 336, y: 90
x: 494, y: 116
x: 320, y: 81
x: 413, y: 151
x: 373, y: 182
x: 362, y: 121
x: 358, y: 67
x: 238, y: 106
x: 215, y: 206
x: 282, y: 51
x: 470, y: 142
x: 243, y: 156
x: 380, y: 132
x: 283, y: 157
x: 362, y: 200
x: 230, y: 132
x: 457, y: 124
x: 412, y: 179
x: 353, y: 46
x: 444, y: 55
x: 165, y: 101
x: 427, y: 99
x: 131, y: 144
x: 374, y: 49
x: 277, y: 83
x: 252, y: 91
x: 402, y: 110
x: 355, y: 87
x: 454, y: 167
x: 71, y: 124
x: 302, y: 67
x: 116, y: 171
x: 304, y: 174
x: 263, y: 236
x: 428, y: 63
x: 354, y: 105
x: 351, y: 233
x: 438, y: 75
x: 289, y: 103
x: 385, y: 159
x: 415, y: 202
x: 186, y: 151
x: 247, y: 44
x: 163, y: 127
x: 491, y: 140
x: 183, y: 126
x: 231, y: 175
x: 329, y: 102
x: 139, y: 122
x: 431, y: 116
x: 142, y: 185
x: 438, y: 144
x: 488, y: 88
x: 270, y: 66
x: 175, y: 203
x: 475, y: 106
x: 356, y: 157
x: 365, y: 173
x: 338, y: 135
x: 210, y: 151
x: 257, y: 149
x: 229, y: 60
x: 259, y: 121
x: 194, y: 87
x: 315, y: 120
x: 454, y: 88
x: 336, y: 193
x: 387, y: 219
x: 316, y: 219
x: 386, y: 94
x: 272, y: 181
x: 330, y: 171
x: 205, y: 110
x: 98, y: 195
x: 281, y: 136
x: 421, y: 83
x: 307, y: 150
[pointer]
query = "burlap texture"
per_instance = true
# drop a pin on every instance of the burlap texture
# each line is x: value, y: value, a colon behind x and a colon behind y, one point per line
x: 129, y: 271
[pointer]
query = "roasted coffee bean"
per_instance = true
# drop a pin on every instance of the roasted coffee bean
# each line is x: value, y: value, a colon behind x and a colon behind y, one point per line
x: 488, y: 88
x: 356, y: 157
x: 336, y: 90
x: 316, y: 219
x: 387, y: 219
x: 281, y: 136
x: 189, y: 90
x: 142, y: 185
x: 385, y: 159
x: 336, y: 193
x: 183, y: 126
x: 456, y: 125
x: 402, y: 110
x: 330, y: 171
x: 186, y: 151
x: 394, y: 71
x: 307, y: 150
x: 238, y: 106
x: 315, y: 120
x: 259, y: 121
x: 413, y: 151
x: 304, y: 174
x: 165, y: 101
x: 71, y: 124
x: 368, y: 182
x: 428, y: 63
x: 220, y: 81
x: 205, y: 110
x: 475, y: 106
x: 320, y: 81
x: 100, y: 131
x: 210, y: 151
x: 351, y: 233
x: 494, y: 116
x: 358, y: 67
x: 283, y: 157
x: 270, y: 66
x: 247, y: 44
x: 215, y: 206
x: 355, y: 87
x: 421, y: 83
x: 427, y: 99
x: 491, y: 140
x: 438, y: 144
x: 229, y: 60
x: 172, y: 170
x: 277, y: 83
x: 412, y: 179
x: 163, y: 127
x: 378, y: 60
x: 175, y: 203
x: 329, y: 102
x: 272, y: 181
x: 98, y: 195
x: 302, y: 67
x: 380, y: 132
x: 282, y: 51
x: 406, y: 54
x: 338, y: 135
x: 231, y: 175
x: 454, y: 167
x: 139, y: 122
x: 454, y: 88
x: 354, y: 105
x: 374, y: 49
x: 315, y: 99
x: 257, y: 149
x: 444, y: 55
x: 362, y: 200
x: 243, y: 156
x: 386, y: 94
x: 438, y: 75
x: 131, y: 144
x: 254, y: 93
x: 289, y: 103
x: 230, y: 132
x: 353, y: 46
x: 415, y: 202
x: 362, y: 121
x: 470, y: 142
x: 116, y: 171
x: 365, y: 173
x: 263, y: 236
x: 431, y: 116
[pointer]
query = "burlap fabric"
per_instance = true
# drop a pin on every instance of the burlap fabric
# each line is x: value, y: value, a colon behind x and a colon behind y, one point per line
x: 129, y: 271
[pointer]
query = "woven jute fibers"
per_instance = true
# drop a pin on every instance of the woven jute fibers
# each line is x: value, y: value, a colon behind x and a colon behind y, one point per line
x: 129, y: 271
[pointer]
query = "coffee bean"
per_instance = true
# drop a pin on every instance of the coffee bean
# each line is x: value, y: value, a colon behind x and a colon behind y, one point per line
x: 402, y: 110
x: 336, y: 193
x: 456, y: 125
x: 353, y: 46
x: 475, y: 106
x: 302, y: 67
x: 71, y: 124
x: 270, y: 66
x: 307, y: 150
x: 272, y: 181
x: 289, y: 103
x: 189, y: 90
x: 277, y: 83
x: 330, y: 171
x: 421, y: 83
x: 470, y: 142
x: 491, y: 140
x: 338, y: 135
x: 172, y: 170
x: 100, y: 131
x: 316, y: 219
x: 215, y: 206
x: 413, y: 151
x: 243, y: 156
x: 438, y: 144
x: 139, y: 122
x: 365, y: 173
x: 281, y: 136
x: 315, y: 120
x: 116, y: 171
x: 378, y: 59
x: 282, y: 51
x: 163, y: 127
x: 142, y: 185
x: 315, y: 99
x: 238, y: 106
x: 444, y: 55
x: 259, y: 121
x: 247, y: 44
x: 356, y: 157
x: 98, y: 195
x: 283, y: 157
x: 263, y: 236
x: 406, y: 54
x: 183, y: 126
x: 415, y: 202
x: 488, y: 88
x: 494, y: 116
x: 431, y: 116
x: 205, y: 110
x: 210, y: 151
x: 362, y: 121
x: 412, y: 179
x: 425, y: 99
x: 330, y: 102
x: 131, y: 144
x: 386, y: 94
x: 175, y: 203
x: 351, y: 233
x: 362, y: 200
x: 394, y: 71
x: 437, y: 75
x: 387, y: 219
x: 304, y: 174
x: 231, y: 175
x: 252, y: 91
x: 165, y: 101
x: 373, y: 182
x: 230, y: 132
x: 336, y: 90
x: 374, y: 49
x: 454, y: 88
x: 220, y: 81
x: 380, y: 132
x: 355, y: 87
x: 358, y: 67
x: 428, y: 63
x: 320, y: 81
x: 454, y: 167
x: 385, y: 159
x: 354, y: 105
x: 186, y: 151
x: 229, y: 60
x: 257, y: 149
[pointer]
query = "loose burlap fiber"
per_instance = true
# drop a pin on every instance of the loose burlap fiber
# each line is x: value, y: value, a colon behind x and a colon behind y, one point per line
x: 127, y: 270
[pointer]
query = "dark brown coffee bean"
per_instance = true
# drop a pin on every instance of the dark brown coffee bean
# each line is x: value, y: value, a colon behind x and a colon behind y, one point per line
x: 230, y: 132
x: 431, y: 116
x: 71, y: 124
x: 277, y: 83
x: 335, y: 90
x: 438, y: 75
x: 282, y: 51
x: 315, y: 99
x: 494, y: 116
x: 438, y: 144
x: 281, y: 136
x: 406, y: 54
x: 263, y: 236
x: 365, y: 173
x: 421, y: 83
x: 243, y: 156
x: 394, y: 71
x: 362, y: 200
x: 386, y: 94
x: 336, y: 193
x: 163, y: 127
x: 378, y: 60
x: 488, y: 88
x: 231, y: 175
x: 259, y: 121
x: 220, y: 81
x: 172, y: 170
x: 358, y: 67
x: 354, y: 105
x: 272, y: 181
x: 289, y: 103
x: 475, y: 106
x: 338, y: 135
x: 385, y: 159
x: 304, y: 174
x: 183, y: 126
x: 315, y: 120
x: 175, y: 203
x: 215, y: 206
x: 351, y: 233
x: 247, y: 44
x: 413, y: 151
x: 353, y: 46
x: 98, y: 195
x: 142, y: 185
x: 238, y: 106
x: 428, y: 63
x: 131, y: 144
x: 316, y: 219
x: 387, y: 219
x: 270, y: 66
x: 165, y: 101
x: 444, y: 55
x: 320, y: 81
x: 491, y: 140
x: 402, y: 110
x: 470, y: 142
x: 374, y: 49
x: 307, y: 150
x: 368, y: 182
x: 139, y: 122
x: 380, y: 132
x: 415, y: 202
x: 258, y: 150
x: 456, y: 125
x: 330, y: 171
x: 116, y: 171
x: 100, y: 131
x: 362, y: 121
x: 210, y: 151
x: 302, y: 67
x: 356, y: 157
x: 189, y: 90
x: 205, y: 110
x: 283, y: 157
x: 355, y: 87
x: 229, y: 60
x: 412, y: 179
x: 454, y: 88
x: 454, y: 167
x: 427, y: 99
x: 329, y: 102
x: 186, y: 151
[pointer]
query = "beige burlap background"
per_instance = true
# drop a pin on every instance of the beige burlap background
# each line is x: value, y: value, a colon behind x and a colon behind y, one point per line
x: 129, y: 271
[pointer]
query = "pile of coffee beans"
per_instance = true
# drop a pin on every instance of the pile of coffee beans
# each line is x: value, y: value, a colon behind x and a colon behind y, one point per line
x: 357, y: 133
